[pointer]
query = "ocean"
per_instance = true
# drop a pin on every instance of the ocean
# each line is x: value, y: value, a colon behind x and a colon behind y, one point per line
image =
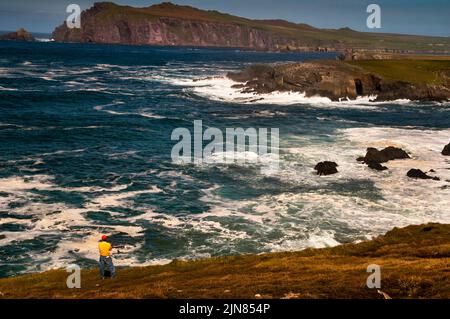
x: 85, y: 150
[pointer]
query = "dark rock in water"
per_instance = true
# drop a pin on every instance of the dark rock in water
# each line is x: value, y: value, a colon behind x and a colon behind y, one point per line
x: 417, y: 173
x: 19, y: 35
x: 446, y: 150
x: 326, y: 168
x: 388, y: 154
x: 377, y: 166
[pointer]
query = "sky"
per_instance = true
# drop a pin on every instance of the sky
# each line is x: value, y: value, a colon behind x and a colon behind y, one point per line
x: 424, y: 17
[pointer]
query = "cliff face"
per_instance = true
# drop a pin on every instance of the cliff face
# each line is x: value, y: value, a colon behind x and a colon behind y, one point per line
x: 169, y: 24
x: 163, y: 25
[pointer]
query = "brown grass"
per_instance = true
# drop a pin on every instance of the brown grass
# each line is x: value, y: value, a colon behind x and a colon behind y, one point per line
x: 415, y: 263
x: 413, y: 69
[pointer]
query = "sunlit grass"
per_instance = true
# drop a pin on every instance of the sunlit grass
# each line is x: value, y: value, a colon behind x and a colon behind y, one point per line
x: 414, y: 263
x: 409, y: 70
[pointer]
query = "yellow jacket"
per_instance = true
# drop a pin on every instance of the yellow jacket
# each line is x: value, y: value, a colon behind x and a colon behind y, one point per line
x: 104, y: 248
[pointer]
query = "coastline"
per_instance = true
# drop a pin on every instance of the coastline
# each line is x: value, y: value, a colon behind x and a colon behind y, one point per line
x: 172, y: 24
x: 414, y: 264
x: 415, y: 78
x: 233, y: 159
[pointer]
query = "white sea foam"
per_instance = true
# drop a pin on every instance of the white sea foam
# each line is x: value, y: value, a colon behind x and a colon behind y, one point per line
x: 47, y: 78
x: 303, y: 219
x: 2, y: 88
x: 44, y: 40
x: 143, y: 113
x: 311, y: 215
x: 221, y: 89
x: 301, y: 216
x: 151, y: 115
x: 59, y: 218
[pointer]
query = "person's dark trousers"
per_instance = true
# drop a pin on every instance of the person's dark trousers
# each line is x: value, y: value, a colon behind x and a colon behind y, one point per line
x: 106, y: 262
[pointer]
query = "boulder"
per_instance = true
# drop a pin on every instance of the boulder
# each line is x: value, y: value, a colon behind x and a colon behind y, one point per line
x: 446, y: 150
x: 388, y: 154
x: 417, y: 173
x: 326, y: 168
x: 377, y: 166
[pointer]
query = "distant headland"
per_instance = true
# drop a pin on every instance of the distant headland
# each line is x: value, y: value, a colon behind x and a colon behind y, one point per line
x: 175, y: 25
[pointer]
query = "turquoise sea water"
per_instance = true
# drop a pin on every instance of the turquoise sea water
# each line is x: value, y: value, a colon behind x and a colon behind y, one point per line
x: 85, y: 150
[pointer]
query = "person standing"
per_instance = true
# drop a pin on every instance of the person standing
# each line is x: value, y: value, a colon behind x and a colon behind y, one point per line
x: 105, y: 261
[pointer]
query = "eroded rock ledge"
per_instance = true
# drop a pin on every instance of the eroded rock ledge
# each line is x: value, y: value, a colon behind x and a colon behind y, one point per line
x: 338, y: 80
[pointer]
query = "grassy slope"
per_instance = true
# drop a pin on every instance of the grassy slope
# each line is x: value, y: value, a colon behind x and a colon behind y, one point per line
x: 427, y: 70
x: 415, y: 263
x: 308, y: 35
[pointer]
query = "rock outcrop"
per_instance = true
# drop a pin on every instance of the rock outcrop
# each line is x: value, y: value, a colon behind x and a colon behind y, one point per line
x: 336, y: 80
x: 390, y: 153
x: 377, y: 166
x: 419, y: 174
x: 19, y: 35
x: 446, y: 150
x: 331, y: 79
x: 374, y: 157
x: 326, y: 168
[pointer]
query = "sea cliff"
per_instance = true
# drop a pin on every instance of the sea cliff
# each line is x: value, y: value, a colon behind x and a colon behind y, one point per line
x: 175, y: 25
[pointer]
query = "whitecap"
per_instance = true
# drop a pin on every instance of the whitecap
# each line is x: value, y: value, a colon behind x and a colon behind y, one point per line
x: 7, y: 89
x: 221, y: 89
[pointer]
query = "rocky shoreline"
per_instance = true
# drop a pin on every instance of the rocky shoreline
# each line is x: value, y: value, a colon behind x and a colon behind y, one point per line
x: 338, y: 80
